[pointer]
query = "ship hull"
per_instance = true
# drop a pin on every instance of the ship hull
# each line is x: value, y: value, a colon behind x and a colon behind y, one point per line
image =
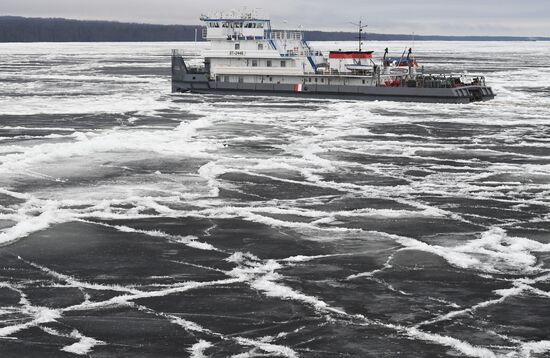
x: 184, y: 80
x: 368, y: 93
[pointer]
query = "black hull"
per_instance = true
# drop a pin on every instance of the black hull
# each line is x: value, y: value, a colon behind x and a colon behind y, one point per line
x: 395, y: 96
x: 348, y: 96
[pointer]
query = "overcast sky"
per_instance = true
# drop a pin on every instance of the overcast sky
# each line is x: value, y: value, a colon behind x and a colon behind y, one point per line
x: 445, y: 17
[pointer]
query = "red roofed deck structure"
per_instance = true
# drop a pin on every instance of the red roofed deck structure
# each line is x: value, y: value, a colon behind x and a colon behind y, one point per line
x: 350, y: 54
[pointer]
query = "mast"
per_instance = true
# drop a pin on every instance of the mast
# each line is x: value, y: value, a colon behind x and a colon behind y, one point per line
x: 360, y: 27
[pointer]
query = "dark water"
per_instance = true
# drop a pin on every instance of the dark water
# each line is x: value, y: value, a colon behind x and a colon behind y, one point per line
x: 136, y: 223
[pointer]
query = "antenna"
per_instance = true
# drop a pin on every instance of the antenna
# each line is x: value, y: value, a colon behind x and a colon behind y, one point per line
x: 360, y: 26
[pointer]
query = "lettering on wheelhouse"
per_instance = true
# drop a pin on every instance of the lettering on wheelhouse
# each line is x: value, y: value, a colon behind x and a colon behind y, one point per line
x: 237, y: 53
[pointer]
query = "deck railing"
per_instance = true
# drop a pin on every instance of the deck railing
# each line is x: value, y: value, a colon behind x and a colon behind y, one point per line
x: 452, y: 79
x: 284, y: 35
x: 186, y: 53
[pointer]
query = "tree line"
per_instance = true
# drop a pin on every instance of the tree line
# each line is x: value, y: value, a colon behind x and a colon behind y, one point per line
x: 22, y: 29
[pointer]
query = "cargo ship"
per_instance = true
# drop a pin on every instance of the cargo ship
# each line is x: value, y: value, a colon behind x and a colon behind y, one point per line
x: 247, y: 57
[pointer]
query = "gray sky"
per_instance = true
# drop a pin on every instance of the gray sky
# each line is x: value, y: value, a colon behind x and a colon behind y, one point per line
x: 445, y: 17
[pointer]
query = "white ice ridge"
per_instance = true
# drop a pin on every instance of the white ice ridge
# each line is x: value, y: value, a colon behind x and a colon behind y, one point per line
x: 57, y: 129
x: 460, y: 346
x: 272, y: 349
x: 527, y: 349
x: 37, y: 214
x: 14, y: 194
x: 84, y: 344
x: 249, y: 214
x: 197, y: 350
x: 27, y: 223
x: 261, y: 276
x: 189, y: 240
x: 127, y: 299
x: 387, y: 265
x: 364, y: 212
x: 449, y: 316
x: 185, y: 324
x: 73, y: 282
x: 519, y: 287
x: 182, y: 140
x: 37, y: 315
x: 493, y: 252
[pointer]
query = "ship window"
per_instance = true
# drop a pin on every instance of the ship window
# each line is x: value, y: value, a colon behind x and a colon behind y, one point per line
x: 316, y: 80
x: 241, y: 80
x: 226, y: 78
x: 363, y: 81
x: 270, y: 79
x: 269, y: 63
x: 260, y: 47
x: 283, y: 64
x: 254, y: 63
x: 238, y: 25
x: 322, y: 80
x: 237, y: 46
x: 310, y: 79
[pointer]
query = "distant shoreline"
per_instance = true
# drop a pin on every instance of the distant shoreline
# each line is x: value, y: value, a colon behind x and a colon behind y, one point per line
x: 29, y: 30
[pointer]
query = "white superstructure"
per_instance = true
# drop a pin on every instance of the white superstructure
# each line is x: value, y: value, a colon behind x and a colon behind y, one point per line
x: 243, y: 46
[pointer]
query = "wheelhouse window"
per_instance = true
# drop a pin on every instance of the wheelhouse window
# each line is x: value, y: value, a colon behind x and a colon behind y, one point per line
x: 283, y: 64
x: 260, y: 47
x: 237, y: 46
x: 269, y: 63
x: 254, y: 63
